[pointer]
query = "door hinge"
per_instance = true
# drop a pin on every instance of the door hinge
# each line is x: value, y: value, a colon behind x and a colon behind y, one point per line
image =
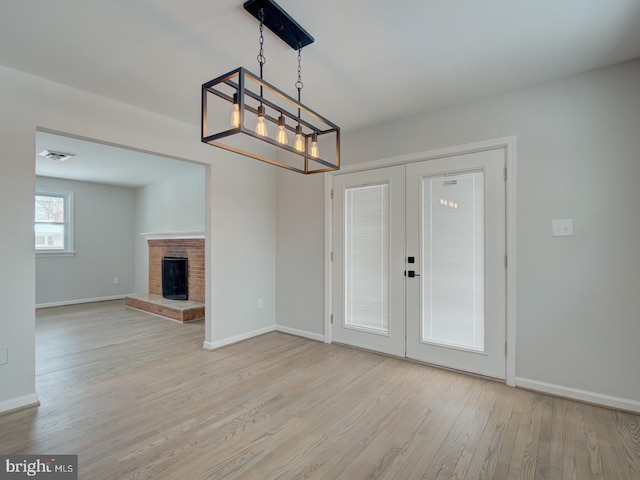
x: 505, y: 175
x: 332, y: 256
x: 506, y: 261
x: 332, y: 194
x: 332, y: 319
x: 505, y: 349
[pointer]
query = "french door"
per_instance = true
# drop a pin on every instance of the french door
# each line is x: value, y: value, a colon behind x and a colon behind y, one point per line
x: 455, y: 233
x: 369, y: 250
x: 418, y: 265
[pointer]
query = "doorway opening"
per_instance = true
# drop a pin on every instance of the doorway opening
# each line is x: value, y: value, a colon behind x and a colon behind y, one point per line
x: 122, y: 197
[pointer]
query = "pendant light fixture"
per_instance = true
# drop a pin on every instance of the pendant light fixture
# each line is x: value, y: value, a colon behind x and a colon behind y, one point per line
x: 247, y: 99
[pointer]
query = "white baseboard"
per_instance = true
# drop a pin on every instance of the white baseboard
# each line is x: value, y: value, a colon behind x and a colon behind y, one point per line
x: 81, y: 300
x: 582, y: 395
x: 262, y: 331
x: 237, y: 338
x: 300, y: 333
x: 30, y: 400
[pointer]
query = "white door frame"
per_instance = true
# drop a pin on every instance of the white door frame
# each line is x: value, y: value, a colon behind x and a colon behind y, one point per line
x: 509, y: 146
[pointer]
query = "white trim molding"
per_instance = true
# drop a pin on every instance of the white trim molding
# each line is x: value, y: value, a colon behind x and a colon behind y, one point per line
x: 19, y: 403
x: 184, y: 235
x: 275, y: 328
x: 300, y: 333
x: 80, y: 300
x: 580, y: 395
x: 237, y: 338
x: 328, y: 262
x: 504, y: 142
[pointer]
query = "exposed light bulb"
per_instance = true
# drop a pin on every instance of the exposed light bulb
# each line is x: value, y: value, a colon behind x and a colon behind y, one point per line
x: 282, y: 132
x: 261, y: 126
x: 235, y: 116
x: 299, y: 143
x: 282, y: 135
x: 235, y: 113
x: 314, y: 151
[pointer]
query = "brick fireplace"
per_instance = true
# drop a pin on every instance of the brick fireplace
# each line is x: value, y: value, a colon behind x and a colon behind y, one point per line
x: 153, y: 302
x: 193, y: 249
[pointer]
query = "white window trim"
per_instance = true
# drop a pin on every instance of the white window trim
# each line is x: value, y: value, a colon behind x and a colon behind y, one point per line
x: 68, y: 224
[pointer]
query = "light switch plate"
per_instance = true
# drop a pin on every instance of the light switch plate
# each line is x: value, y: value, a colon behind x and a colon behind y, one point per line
x: 4, y: 355
x: 562, y: 227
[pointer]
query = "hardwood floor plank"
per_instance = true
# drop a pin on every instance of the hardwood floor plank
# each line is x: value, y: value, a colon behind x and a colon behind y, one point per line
x: 506, y: 456
x: 627, y: 431
x: 136, y: 397
x: 582, y: 468
x: 435, y: 456
x: 487, y: 450
x: 543, y: 453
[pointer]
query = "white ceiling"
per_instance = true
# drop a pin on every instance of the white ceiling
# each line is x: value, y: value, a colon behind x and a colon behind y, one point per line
x: 99, y: 163
x: 372, y: 61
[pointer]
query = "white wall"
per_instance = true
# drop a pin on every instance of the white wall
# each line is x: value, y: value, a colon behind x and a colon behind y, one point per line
x: 300, y: 253
x: 239, y: 223
x: 172, y: 205
x: 245, y: 237
x: 103, y: 221
x: 578, y: 156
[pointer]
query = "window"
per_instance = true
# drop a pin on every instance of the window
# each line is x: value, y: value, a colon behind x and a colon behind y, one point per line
x: 53, y: 222
x: 366, y: 257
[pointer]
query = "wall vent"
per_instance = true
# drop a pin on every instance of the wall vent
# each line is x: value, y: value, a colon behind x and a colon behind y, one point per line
x: 58, y: 156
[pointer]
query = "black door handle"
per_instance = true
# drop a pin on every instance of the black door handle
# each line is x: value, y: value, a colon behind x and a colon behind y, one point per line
x: 411, y: 273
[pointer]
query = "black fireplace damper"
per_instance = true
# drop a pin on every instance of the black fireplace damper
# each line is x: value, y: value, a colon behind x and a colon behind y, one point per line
x: 175, y: 278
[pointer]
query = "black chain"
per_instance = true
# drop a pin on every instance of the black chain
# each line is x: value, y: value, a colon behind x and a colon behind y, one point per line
x: 261, y: 58
x: 299, y: 84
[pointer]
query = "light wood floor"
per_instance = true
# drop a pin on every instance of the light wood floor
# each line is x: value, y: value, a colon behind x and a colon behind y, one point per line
x: 136, y: 397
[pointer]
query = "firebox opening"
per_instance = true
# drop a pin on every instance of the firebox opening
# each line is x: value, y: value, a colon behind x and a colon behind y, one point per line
x: 175, y: 278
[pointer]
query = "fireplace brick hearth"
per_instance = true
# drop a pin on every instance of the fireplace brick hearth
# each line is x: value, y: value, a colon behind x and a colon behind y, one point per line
x: 182, y: 311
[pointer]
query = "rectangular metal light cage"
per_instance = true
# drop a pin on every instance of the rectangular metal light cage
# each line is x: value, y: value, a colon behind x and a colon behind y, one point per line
x: 250, y: 92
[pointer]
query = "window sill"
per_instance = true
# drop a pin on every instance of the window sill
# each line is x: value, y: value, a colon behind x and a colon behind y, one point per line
x: 65, y: 253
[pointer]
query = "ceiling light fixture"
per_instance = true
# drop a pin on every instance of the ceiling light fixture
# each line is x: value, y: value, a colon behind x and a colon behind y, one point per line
x: 249, y: 98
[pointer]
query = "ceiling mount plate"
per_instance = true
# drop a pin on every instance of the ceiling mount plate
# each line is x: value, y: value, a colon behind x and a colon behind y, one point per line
x: 280, y: 23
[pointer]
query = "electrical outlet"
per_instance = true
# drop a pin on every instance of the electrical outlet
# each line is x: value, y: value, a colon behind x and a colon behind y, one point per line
x: 116, y: 280
x: 4, y: 355
x: 260, y: 303
x: 562, y: 228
